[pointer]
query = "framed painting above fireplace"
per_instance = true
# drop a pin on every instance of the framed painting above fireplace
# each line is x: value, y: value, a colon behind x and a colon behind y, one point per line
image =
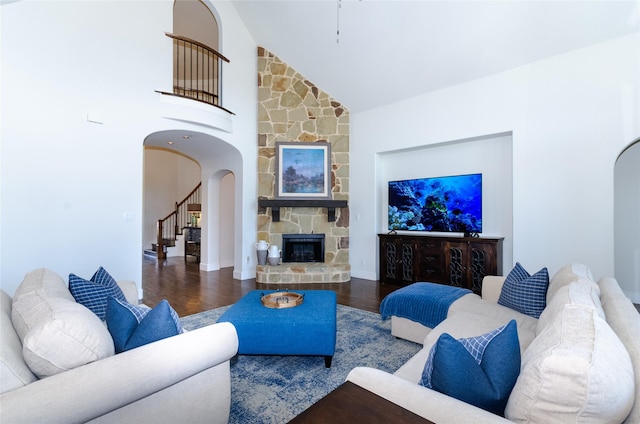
x: 303, y: 170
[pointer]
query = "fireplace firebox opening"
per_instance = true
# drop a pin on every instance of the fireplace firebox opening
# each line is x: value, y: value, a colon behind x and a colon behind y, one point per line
x: 303, y: 248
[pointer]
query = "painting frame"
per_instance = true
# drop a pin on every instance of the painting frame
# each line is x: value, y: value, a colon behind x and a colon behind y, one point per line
x: 303, y: 170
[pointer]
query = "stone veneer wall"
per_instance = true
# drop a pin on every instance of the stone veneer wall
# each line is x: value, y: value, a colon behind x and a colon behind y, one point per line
x: 291, y: 108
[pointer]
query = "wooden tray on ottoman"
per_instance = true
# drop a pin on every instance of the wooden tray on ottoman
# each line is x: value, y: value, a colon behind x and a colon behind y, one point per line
x: 282, y: 300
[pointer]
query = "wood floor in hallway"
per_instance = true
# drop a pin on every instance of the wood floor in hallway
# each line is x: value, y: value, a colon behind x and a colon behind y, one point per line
x: 190, y: 290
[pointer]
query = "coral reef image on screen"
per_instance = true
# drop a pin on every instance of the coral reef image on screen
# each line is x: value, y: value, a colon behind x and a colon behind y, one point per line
x: 447, y: 204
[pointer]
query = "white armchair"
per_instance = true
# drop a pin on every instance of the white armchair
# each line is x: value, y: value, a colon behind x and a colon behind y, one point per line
x: 185, y: 378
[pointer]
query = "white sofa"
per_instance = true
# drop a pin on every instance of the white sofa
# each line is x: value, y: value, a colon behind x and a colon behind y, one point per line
x: 185, y: 378
x: 580, y: 359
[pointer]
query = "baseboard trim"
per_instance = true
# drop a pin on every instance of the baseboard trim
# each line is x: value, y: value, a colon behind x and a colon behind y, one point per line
x: 634, y: 296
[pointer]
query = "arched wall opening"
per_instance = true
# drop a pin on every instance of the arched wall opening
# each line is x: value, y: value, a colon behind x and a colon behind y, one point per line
x: 197, y: 65
x: 194, y: 20
x: 626, y: 220
x: 169, y: 176
x: 219, y: 225
x: 220, y: 170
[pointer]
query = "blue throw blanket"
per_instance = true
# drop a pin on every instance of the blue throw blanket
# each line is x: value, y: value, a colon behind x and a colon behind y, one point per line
x: 426, y: 303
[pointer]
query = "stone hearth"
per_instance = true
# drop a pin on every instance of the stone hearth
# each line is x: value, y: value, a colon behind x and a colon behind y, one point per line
x: 303, y: 272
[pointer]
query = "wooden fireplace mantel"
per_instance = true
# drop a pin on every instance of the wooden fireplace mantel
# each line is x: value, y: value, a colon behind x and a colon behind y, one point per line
x: 275, y: 206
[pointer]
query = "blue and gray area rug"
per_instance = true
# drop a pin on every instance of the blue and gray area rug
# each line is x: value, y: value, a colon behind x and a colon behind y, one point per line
x: 274, y: 389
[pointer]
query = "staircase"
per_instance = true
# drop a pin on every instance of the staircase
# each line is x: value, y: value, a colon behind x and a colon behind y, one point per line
x: 166, y: 244
x: 169, y: 228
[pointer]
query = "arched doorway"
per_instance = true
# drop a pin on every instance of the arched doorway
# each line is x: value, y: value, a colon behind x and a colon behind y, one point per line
x: 627, y: 221
x: 169, y: 178
x: 193, y: 19
x: 197, y: 64
x: 220, y: 166
x: 227, y: 218
x: 219, y: 219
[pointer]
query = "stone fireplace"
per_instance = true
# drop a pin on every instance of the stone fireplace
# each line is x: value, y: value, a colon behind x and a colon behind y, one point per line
x: 303, y: 248
x: 291, y: 108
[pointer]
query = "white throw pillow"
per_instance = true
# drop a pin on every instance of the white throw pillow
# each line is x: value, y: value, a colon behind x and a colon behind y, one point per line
x: 41, y: 280
x: 576, y: 370
x: 57, y: 334
x: 14, y: 372
x: 567, y: 275
x: 582, y: 292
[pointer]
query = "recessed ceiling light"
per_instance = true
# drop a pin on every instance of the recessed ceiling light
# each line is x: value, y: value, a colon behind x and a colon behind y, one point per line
x: 186, y: 137
x: 169, y: 142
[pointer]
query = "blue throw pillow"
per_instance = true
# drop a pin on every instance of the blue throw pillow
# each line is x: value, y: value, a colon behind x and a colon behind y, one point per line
x: 94, y: 293
x: 478, y: 370
x: 102, y: 277
x: 133, y: 326
x: 525, y: 293
x: 122, y: 320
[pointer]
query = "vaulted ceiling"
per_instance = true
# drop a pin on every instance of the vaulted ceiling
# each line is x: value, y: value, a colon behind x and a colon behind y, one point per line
x: 389, y: 50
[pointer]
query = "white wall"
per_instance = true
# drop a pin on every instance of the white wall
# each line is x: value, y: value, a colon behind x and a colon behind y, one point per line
x: 67, y: 183
x: 570, y: 116
x: 627, y: 221
x: 240, y: 97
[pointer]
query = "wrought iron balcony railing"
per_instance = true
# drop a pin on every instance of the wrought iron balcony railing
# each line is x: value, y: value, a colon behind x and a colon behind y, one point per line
x: 197, y: 71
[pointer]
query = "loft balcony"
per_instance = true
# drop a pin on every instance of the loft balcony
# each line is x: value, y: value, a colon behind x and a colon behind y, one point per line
x: 197, y: 72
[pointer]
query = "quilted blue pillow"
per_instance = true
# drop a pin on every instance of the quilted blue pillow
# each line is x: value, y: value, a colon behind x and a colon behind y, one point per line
x: 478, y: 370
x: 525, y: 293
x: 122, y: 319
x: 133, y: 326
x: 94, y: 293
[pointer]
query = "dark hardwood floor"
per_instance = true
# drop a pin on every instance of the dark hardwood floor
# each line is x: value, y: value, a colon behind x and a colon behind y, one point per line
x: 190, y: 290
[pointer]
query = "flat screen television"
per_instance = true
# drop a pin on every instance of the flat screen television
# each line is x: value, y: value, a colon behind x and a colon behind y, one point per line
x: 443, y: 204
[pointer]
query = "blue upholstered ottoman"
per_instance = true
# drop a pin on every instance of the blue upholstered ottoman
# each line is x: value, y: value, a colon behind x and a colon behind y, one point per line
x: 307, y: 329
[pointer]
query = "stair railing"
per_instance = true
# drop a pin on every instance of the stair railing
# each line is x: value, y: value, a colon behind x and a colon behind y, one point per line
x: 197, y: 71
x: 171, y: 225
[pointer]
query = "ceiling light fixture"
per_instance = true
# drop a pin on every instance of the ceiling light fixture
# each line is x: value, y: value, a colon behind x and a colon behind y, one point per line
x: 338, y: 21
x: 169, y: 142
x: 339, y: 6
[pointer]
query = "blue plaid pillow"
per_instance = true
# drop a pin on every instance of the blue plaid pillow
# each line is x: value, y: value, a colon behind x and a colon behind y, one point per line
x: 103, y: 278
x: 525, y: 293
x: 478, y: 370
x: 94, y: 293
x: 132, y: 326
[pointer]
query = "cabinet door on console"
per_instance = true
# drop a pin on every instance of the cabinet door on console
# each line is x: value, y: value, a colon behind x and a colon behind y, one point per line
x: 456, y: 262
x: 397, y: 259
x: 468, y: 262
x: 484, y: 259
